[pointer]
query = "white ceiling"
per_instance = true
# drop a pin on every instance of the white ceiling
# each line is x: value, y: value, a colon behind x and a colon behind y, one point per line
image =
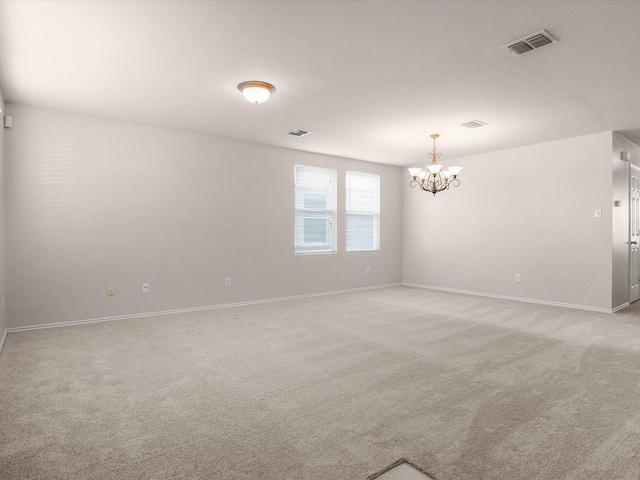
x: 371, y: 80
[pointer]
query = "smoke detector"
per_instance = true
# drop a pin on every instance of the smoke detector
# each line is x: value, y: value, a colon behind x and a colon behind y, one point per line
x: 530, y: 43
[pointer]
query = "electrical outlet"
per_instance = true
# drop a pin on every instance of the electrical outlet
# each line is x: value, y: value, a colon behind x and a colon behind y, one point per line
x: 367, y: 270
x: 227, y: 282
x: 111, y: 291
x: 145, y: 288
x: 518, y: 277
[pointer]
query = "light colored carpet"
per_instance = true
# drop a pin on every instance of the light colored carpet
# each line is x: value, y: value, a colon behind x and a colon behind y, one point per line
x: 404, y: 472
x: 328, y: 388
x: 401, y: 470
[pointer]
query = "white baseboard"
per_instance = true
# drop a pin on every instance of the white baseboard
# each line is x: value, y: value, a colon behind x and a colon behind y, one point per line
x: 624, y: 305
x: 519, y: 299
x: 309, y: 295
x: 3, y: 339
x: 194, y: 309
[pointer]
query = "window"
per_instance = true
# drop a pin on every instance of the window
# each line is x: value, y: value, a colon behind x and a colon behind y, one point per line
x: 363, y: 211
x: 315, y: 210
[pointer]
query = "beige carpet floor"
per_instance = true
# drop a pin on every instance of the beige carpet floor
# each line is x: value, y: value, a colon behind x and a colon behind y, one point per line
x: 326, y: 388
x: 401, y: 470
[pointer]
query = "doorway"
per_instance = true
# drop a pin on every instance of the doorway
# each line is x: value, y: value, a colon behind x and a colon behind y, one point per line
x: 634, y: 234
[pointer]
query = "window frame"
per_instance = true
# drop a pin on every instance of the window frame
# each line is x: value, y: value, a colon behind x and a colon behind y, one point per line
x: 374, y: 213
x: 331, y: 212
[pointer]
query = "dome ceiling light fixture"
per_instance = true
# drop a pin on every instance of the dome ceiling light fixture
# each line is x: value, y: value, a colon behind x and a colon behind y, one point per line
x: 434, y: 180
x: 256, y: 91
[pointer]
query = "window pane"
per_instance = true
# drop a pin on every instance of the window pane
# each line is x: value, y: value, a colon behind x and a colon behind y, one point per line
x: 313, y: 228
x: 361, y: 201
x: 361, y: 191
x: 363, y: 211
x: 316, y: 199
x: 360, y: 232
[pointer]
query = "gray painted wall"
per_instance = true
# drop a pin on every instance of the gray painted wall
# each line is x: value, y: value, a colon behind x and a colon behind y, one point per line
x: 3, y: 254
x: 94, y: 202
x: 527, y: 210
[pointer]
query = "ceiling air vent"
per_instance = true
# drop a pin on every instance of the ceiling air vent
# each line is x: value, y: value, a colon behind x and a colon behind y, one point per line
x: 530, y: 43
x: 298, y: 133
x: 473, y: 124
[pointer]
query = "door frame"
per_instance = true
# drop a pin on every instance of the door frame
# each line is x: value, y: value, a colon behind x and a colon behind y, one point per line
x: 634, y: 226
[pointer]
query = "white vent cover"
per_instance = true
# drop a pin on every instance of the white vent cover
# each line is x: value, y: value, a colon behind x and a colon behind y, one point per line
x: 530, y: 43
x: 298, y: 133
x: 473, y: 124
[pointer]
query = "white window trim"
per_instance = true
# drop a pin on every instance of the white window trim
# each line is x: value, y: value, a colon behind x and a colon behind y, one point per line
x: 332, y: 248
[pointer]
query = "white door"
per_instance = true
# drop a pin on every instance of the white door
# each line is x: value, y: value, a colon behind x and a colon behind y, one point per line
x: 634, y: 234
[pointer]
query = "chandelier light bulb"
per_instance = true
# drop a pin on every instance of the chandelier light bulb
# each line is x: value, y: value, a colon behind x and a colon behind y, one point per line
x: 455, y: 171
x: 256, y: 91
x: 434, y: 169
x: 414, y: 172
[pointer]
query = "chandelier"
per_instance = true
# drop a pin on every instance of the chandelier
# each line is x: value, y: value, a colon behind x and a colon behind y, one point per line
x: 434, y: 179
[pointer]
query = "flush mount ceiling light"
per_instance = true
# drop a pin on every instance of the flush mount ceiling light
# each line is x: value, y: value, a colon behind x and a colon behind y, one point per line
x: 256, y: 91
x: 434, y: 180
